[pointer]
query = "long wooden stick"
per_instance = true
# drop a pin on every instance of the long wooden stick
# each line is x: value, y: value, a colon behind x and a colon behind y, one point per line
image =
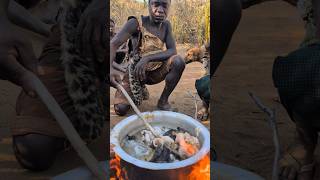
x: 195, y: 99
x: 273, y: 124
x: 67, y: 127
x: 136, y: 110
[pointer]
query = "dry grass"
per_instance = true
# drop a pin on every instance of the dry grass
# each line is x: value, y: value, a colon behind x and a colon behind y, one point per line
x: 190, y: 19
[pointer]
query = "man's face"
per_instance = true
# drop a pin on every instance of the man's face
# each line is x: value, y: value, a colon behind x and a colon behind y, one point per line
x: 158, y: 10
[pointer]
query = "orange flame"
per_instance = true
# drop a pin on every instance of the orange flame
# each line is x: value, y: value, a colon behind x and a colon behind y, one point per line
x: 201, y: 170
x: 119, y: 174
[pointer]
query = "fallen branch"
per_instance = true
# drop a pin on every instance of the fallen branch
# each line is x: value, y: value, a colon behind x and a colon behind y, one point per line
x: 67, y: 127
x: 136, y: 110
x: 273, y: 124
x: 195, y: 103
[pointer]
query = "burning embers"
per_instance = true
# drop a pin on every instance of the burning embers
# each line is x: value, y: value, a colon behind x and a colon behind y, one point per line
x: 180, y: 155
x: 199, y: 171
x: 174, y: 145
x: 116, y: 172
x: 145, y: 146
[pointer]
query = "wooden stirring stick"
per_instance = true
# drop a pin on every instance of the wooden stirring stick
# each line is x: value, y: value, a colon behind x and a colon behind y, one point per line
x: 67, y: 127
x: 136, y: 110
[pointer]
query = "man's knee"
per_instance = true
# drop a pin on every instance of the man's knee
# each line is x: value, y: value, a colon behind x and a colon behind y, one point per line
x: 121, y: 109
x: 178, y: 63
x: 36, y: 152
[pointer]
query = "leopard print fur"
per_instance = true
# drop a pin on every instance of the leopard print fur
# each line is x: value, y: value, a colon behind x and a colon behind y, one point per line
x: 138, y: 89
x: 80, y: 75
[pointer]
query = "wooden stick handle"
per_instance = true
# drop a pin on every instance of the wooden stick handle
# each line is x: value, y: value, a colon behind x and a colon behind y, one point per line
x: 136, y: 110
x: 67, y: 127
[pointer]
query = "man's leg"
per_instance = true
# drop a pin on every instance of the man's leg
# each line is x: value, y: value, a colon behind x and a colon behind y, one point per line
x: 121, y: 105
x: 177, y: 66
x: 37, y: 152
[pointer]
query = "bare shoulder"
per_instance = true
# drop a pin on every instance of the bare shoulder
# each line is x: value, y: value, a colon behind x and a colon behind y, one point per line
x: 167, y: 26
x: 132, y: 23
x: 167, y: 23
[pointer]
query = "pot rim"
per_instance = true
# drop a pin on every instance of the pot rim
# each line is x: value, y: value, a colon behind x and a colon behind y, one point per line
x: 160, y: 166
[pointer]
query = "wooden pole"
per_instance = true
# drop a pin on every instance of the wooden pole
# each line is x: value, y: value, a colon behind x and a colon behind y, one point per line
x: 67, y: 127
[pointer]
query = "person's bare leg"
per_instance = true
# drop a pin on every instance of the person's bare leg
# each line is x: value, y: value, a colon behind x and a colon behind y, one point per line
x: 172, y: 79
x: 121, y: 109
x: 37, y: 152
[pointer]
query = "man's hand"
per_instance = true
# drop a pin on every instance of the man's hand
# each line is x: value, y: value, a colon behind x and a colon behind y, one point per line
x: 140, y: 70
x: 92, y: 31
x: 119, y: 67
x: 17, y: 59
x: 27, y: 85
x: 115, y: 77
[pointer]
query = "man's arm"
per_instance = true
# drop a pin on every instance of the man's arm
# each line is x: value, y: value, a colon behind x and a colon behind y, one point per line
x: 92, y: 31
x: 131, y: 27
x: 227, y: 15
x: 22, y: 17
x: 316, y: 7
x: 170, y: 45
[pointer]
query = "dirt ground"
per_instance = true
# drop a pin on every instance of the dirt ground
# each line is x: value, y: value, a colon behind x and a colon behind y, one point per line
x: 241, y: 132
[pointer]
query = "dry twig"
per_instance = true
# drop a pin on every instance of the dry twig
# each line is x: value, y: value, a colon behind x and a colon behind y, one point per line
x: 273, y: 124
x: 195, y: 103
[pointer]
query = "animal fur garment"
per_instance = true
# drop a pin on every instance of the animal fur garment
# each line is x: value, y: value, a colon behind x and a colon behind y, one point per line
x: 138, y: 89
x: 80, y: 75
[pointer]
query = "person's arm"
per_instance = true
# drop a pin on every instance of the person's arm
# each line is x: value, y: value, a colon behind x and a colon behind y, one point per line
x: 130, y: 28
x: 170, y: 45
x: 316, y: 5
x: 23, y: 18
x: 17, y: 62
x: 92, y: 32
x: 292, y: 2
x: 227, y: 15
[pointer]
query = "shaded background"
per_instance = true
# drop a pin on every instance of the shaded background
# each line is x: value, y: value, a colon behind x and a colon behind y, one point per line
x: 242, y: 134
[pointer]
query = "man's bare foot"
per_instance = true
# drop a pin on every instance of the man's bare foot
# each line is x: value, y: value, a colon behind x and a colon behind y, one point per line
x: 203, y: 114
x: 165, y: 106
x: 297, y: 163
